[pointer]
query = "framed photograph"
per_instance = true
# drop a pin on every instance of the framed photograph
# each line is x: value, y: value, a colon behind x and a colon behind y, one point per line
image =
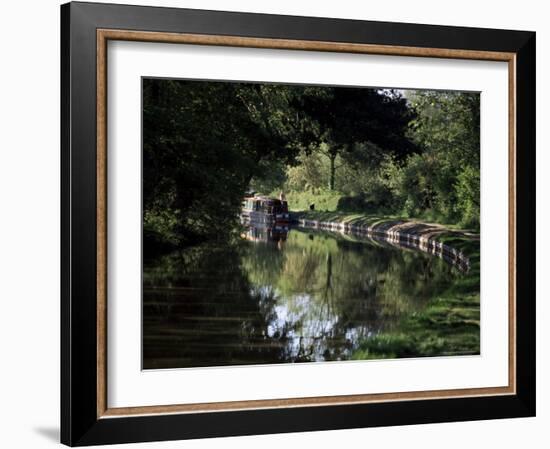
x: 283, y: 224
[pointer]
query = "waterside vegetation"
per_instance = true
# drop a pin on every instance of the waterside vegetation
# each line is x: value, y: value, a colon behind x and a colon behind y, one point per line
x: 412, y: 154
x: 363, y: 156
x: 449, y: 322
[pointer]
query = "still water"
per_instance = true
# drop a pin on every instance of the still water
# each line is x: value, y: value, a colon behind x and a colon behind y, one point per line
x: 278, y: 296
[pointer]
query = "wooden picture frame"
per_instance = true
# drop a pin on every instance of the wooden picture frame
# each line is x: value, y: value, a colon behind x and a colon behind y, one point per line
x: 85, y: 418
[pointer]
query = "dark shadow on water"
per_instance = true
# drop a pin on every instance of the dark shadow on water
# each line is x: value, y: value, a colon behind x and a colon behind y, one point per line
x: 284, y: 296
x: 49, y: 433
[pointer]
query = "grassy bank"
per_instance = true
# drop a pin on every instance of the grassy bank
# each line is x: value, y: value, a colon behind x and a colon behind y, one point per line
x: 324, y: 200
x: 449, y: 324
x: 446, y: 233
x: 350, y: 207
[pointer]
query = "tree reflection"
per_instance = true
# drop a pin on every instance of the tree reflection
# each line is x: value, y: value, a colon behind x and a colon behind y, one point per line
x: 280, y: 297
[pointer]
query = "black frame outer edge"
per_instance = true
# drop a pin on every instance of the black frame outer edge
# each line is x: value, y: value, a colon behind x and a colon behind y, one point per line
x: 79, y: 423
x: 526, y: 222
x: 65, y: 227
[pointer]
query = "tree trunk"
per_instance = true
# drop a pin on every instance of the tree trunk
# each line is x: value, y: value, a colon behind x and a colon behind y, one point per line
x: 332, y: 171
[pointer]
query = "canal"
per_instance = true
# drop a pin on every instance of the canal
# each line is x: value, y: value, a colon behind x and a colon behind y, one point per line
x: 283, y: 296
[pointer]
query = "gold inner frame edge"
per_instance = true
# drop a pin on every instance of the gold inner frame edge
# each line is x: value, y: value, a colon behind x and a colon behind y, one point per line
x: 104, y: 35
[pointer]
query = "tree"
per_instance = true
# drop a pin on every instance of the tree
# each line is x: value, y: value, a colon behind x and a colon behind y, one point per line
x: 345, y: 118
x: 447, y: 129
x: 202, y: 144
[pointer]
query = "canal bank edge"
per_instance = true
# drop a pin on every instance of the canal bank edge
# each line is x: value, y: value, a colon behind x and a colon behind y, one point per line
x: 429, y: 238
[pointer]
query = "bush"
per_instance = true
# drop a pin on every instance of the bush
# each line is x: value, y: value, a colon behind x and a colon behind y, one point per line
x: 359, y: 203
x: 352, y: 203
x: 467, y: 197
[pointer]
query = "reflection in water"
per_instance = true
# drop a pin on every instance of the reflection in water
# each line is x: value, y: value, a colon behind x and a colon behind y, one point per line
x: 280, y: 296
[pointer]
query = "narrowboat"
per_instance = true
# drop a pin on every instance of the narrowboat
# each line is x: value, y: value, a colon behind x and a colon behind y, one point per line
x: 264, y: 210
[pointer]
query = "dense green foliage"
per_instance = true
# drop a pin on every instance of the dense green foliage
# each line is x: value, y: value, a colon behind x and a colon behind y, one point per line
x: 444, y: 178
x: 349, y: 149
x: 438, y: 181
x: 202, y: 144
x: 357, y: 123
